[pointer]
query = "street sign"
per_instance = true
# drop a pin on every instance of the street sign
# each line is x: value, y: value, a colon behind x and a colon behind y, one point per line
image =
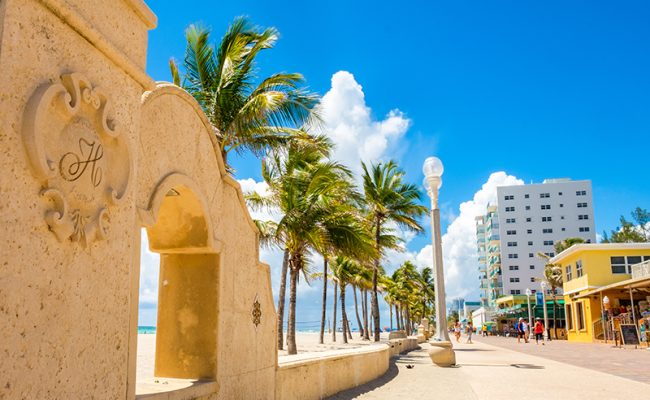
x: 539, y: 298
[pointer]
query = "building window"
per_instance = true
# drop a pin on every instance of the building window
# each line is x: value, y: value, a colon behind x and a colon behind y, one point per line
x: 581, y: 193
x: 583, y: 229
x: 527, y: 208
x: 514, y: 280
x: 532, y: 279
x: 546, y: 206
x: 547, y: 230
x: 582, y: 205
x: 513, y: 256
x: 583, y: 216
x: 551, y: 254
x: 509, y: 209
x: 530, y: 243
x: 510, y: 220
x: 531, y: 255
x: 529, y: 231
x: 578, y: 268
x: 559, y: 193
x: 561, y: 205
x: 548, y: 243
x: 547, y: 219
x: 618, y: 265
x: 526, y: 196
x: 544, y: 195
x: 580, y: 315
x: 509, y: 197
x: 515, y: 291
x: 512, y: 244
x: 531, y: 267
x: 511, y: 232
x: 569, y: 274
x: 569, y: 317
x: 528, y: 219
x: 514, y: 268
x: 563, y: 229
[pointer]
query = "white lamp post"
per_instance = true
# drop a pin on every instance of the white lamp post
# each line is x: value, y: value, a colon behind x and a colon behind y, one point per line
x: 546, y: 330
x: 441, y: 352
x: 530, y: 318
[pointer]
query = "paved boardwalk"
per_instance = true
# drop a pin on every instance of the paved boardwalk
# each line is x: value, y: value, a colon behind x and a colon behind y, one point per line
x: 488, y: 372
x: 626, y: 362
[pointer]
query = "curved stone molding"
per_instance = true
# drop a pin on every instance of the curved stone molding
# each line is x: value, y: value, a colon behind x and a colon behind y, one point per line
x: 76, y: 150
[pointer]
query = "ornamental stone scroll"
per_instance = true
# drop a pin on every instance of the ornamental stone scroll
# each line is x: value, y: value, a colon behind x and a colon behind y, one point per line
x: 77, y: 152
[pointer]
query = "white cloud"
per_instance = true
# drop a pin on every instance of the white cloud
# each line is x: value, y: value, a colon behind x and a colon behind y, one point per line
x: 349, y: 122
x: 459, y: 242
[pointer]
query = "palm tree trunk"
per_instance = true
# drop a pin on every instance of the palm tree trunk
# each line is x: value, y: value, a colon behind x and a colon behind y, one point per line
x: 344, y: 317
x: 356, y: 309
x: 366, y: 331
x: 409, y: 327
x: 323, y: 311
x: 281, y: 298
x: 336, y: 286
x: 391, y: 316
x: 397, y: 316
x: 291, y: 326
x: 349, y: 330
x: 375, y: 271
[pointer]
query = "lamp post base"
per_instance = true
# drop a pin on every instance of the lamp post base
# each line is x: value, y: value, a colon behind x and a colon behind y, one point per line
x: 442, y: 353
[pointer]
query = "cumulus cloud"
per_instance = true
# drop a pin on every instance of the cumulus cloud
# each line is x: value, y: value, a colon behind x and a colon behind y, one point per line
x: 349, y: 122
x: 459, y: 242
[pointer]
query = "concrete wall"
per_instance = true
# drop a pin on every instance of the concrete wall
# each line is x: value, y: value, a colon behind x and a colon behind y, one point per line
x: 315, y: 376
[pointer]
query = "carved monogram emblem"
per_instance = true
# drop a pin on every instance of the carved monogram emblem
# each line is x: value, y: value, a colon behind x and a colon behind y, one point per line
x: 76, y: 150
x: 257, y: 313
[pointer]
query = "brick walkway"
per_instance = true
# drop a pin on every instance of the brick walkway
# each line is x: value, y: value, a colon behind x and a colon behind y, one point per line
x: 624, y: 362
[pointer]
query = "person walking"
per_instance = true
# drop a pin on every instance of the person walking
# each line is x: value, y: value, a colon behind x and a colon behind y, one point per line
x: 520, y: 329
x: 484, y: 330
x: 470, y: 330
x: 526, y: 329
x: 457, y: 331
x: 539, y: 331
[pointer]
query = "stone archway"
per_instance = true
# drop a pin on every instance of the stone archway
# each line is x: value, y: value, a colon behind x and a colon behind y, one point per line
x: 93, y: 150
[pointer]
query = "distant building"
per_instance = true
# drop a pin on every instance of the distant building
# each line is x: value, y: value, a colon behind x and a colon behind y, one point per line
x: 489, y: 256
x: 532, y: 218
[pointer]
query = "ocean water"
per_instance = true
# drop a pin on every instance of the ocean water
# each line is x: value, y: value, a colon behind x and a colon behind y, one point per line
x: 146, y: 329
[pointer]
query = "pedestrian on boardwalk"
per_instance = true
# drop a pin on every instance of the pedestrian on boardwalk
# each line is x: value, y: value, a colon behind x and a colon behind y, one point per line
x: 470, y: 330
x: 539, y: 331
x: 520, y: 329
x: 526, y: 329
x: 457, y: 331
x: 484, y: 330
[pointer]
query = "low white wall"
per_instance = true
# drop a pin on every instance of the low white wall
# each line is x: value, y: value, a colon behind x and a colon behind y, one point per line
x: 315, y: 376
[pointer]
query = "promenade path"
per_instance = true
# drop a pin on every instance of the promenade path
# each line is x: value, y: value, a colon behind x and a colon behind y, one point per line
x: 487, y: 372
x: 626, y: 362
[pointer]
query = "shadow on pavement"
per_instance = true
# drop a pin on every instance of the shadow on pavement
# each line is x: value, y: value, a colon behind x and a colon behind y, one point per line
x: 473, y: 350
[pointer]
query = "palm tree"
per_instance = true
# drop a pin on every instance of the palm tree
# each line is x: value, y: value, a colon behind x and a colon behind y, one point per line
x: 343, y: 272
x: 389, y: 200
x: 552, y: 276
x: 426, y: 287
x: 307, y: 190
x: 246, y: 117
x: 564, y: 244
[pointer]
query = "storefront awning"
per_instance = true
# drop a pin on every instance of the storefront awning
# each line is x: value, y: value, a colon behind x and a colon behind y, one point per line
x: 634, y: 283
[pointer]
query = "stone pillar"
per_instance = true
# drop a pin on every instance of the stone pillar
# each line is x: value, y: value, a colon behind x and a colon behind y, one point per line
x: 72, y: 78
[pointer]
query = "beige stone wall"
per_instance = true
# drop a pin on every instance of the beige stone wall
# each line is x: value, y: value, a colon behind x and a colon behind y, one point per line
x: 320, y: 375
x: 72, y: 70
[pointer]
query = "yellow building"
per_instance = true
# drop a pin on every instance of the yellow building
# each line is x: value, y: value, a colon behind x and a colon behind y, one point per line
x: 592, y: 272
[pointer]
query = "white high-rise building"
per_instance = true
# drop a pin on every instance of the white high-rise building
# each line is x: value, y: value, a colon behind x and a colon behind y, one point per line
x: 532, y: 218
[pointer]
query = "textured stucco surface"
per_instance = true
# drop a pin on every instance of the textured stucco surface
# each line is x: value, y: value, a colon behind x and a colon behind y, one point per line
x: 69, y: 310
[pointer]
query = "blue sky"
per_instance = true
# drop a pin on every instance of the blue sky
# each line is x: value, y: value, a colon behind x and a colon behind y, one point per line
x: 537, y: 90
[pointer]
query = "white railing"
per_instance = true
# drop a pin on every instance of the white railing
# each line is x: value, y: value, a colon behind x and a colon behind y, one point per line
x: 641, y: 270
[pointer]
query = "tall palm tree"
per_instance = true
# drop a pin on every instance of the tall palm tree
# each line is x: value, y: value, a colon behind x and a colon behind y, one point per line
x: 247, y: 117
x: 307, y: 190
x: 389, y: 200
x: 343, y: 272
